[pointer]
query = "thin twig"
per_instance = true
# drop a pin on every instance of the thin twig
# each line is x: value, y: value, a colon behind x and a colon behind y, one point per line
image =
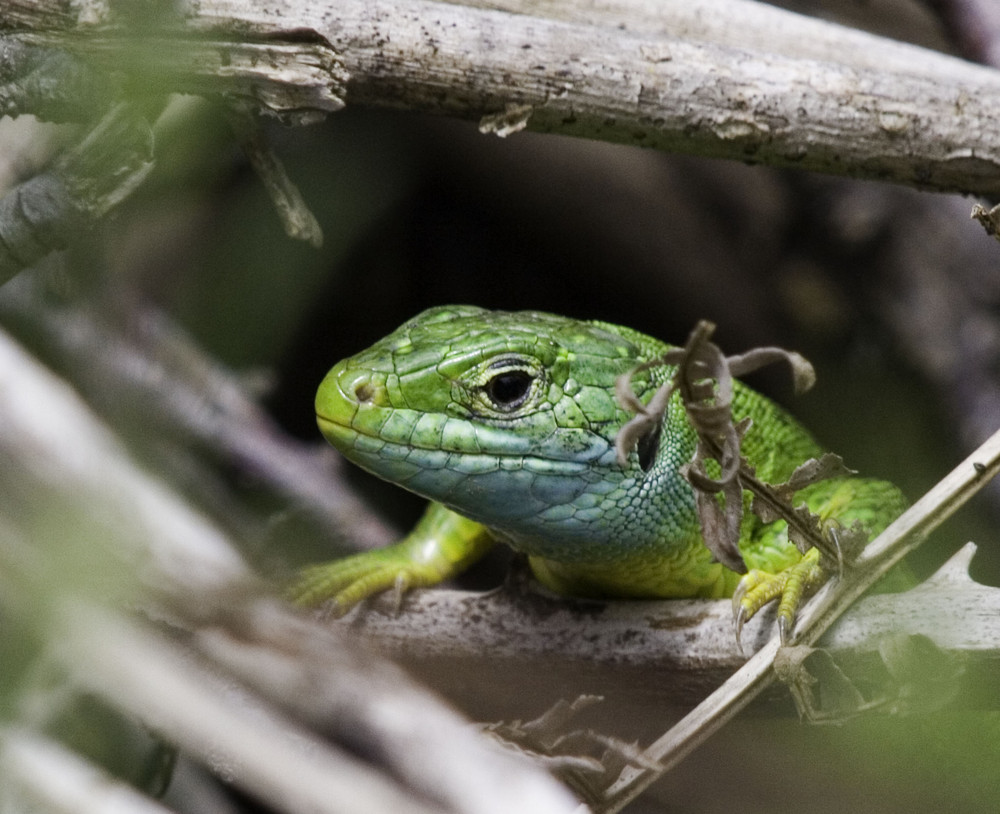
x: 899, y: 539
x: 296, y: 218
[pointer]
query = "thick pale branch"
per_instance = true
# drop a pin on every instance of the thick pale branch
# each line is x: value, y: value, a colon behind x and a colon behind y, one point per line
x: 660, y: 91
x: 793, y: 92
x: 748, y: 24
x: 739, y: 80
x: 681, y: 649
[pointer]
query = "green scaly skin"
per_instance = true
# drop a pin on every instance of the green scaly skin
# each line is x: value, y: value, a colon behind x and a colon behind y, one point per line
x: 507, y: 423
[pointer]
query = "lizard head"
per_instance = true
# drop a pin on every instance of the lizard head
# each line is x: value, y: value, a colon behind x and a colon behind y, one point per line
x: 506, y: 417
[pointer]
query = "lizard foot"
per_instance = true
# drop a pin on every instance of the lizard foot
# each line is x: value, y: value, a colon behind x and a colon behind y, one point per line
x: 759, y: 588
x: 440, y: 546
x: 344, y: 583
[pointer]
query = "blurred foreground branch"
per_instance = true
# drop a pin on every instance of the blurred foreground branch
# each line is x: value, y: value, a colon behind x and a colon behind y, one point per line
x: 142, y: 373
x: 236, y: 679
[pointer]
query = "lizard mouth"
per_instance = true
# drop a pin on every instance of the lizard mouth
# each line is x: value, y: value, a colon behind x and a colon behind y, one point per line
x: 332, y: 428
x: 336, y: 428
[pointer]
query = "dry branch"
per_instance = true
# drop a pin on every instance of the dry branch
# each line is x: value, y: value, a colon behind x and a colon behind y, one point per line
x: 680, y: 649
x: 747, y: 24
x: 916, y: 117
x: 737, y: 80
x: 930, y: 128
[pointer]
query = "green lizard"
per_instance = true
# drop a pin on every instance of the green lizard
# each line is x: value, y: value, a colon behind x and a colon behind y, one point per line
x: 507, y: 423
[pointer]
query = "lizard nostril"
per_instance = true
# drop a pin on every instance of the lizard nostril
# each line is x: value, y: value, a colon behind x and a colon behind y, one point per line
x: 359, y: 386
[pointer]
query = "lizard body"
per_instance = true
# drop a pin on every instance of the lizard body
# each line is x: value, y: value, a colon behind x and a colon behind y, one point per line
x: 507, y: 421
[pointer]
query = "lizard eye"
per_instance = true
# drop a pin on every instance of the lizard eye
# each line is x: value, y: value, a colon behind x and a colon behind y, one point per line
x: 510, y: 389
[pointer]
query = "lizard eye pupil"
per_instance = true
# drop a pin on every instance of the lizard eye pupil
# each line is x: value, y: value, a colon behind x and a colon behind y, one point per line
x: 509, y: 390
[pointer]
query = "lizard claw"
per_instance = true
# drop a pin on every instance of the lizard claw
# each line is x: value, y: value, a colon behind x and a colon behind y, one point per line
x: 739, y: 619
x: 740, y: 615
x: 784, y: 629
x: 738, y: 594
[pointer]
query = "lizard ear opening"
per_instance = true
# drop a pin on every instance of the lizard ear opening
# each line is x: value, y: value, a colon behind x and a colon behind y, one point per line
x: 647, y: 446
